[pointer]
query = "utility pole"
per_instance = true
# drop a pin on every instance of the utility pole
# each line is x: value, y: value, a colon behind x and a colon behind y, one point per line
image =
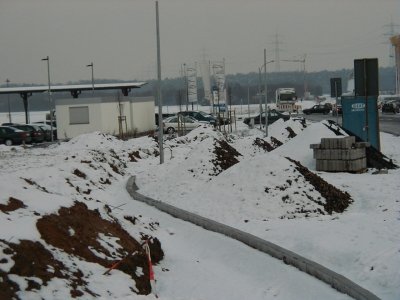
x: 248, y: 99
x: 91, y: 65
x: 265, y: 92
x: 49, y: 94
x: 160, y: 123
x: 8, y: 99
x: 186, y: 87
x: 259, y: 95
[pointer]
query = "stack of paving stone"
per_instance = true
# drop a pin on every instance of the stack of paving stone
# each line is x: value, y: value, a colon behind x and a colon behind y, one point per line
x: 340, y: 155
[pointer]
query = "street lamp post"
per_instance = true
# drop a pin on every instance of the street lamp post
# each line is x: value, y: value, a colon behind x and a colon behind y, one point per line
x: 265, y: 89
x: 49, y: 95
x: 9, y: 106
x: 91, y: 65
x: 159, y: 98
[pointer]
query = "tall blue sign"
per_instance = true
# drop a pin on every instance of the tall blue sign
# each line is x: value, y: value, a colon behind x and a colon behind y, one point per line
x: 360, y: 117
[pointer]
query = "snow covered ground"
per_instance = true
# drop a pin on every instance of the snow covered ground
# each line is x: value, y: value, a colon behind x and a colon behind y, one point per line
x: 262, y: 194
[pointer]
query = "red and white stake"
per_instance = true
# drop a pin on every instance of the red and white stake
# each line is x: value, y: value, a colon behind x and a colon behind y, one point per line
x: 151, y: 272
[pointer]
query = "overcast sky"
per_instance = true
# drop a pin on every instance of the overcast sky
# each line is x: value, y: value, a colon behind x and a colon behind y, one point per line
x: 119, y: 36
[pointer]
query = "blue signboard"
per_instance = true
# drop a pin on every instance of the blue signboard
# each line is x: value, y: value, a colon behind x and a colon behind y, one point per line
x: 360, y: 117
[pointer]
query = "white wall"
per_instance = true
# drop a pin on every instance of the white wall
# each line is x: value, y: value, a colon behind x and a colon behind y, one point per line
x: 109, y: 116
x: 142, y: 116
x: 103, y: 115
x: 67, y: 130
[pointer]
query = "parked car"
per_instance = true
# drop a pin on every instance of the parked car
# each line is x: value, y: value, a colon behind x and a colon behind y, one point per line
x: 37, y: 134
x: 164, y: 116
x: 13, y: 136
x: 179, y: 122
x: 48, y: 122
x: 273, y: 116
x: 391, y: 107
x: 317, y: 109
x: 47, y: 131
x: 337, y: 110
x: 200, y: 116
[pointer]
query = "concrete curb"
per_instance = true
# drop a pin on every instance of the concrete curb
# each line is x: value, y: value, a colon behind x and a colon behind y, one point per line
x: 337, y: 281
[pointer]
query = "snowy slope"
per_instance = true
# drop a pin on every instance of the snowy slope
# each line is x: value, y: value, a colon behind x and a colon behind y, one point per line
x: 261, y: 192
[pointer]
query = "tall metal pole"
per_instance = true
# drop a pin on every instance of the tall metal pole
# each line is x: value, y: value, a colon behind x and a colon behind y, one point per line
x: 186, y: 87
x: 248, y: 99
x: 336, y: 96
x: 266, y: 92
x: 49, y: 95
x: 9, y: 106
x: 259, y: 95
x: 91, y: 65
x: 160, y: 123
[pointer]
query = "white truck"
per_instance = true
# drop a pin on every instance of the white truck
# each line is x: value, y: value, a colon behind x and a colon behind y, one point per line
x: 285, y: 99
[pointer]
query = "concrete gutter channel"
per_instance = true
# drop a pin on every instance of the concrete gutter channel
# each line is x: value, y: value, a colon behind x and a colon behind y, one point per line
x: 337, y: 281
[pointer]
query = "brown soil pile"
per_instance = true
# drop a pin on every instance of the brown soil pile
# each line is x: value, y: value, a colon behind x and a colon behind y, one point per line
x: 336, y: 200
x: 32, y: 259
x: 226, y: 156
x: 12, y: 204
x: 292, y: 134
x: 76, y: 231
x: 275, y: 143
x: 81, y: 233
x: 134, y: 156
x: 263, y: 144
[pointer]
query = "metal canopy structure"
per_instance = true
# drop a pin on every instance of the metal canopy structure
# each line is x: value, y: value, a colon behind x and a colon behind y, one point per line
x: 75, y: 90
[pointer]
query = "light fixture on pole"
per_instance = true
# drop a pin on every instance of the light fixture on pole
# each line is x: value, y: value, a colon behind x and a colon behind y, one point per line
x: 265, y: 89
x: 91, y: 65
x: 49, y: 95
x: 9, y: 106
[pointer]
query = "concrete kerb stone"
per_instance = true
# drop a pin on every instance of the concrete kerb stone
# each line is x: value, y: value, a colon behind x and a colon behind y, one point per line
x: 335, y: 280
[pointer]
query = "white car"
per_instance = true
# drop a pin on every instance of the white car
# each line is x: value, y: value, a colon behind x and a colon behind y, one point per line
x: 180, y: 123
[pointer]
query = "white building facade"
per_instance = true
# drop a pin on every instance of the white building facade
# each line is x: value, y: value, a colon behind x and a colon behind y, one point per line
x: 126, y: 115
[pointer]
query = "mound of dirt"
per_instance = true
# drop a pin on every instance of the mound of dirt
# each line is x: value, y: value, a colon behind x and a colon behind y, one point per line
x: 226, y: 156
x: 263, y: 144
x: 83, y: 234
x: 32, y: 259
x: 336, y: 200
x: 275, y: 143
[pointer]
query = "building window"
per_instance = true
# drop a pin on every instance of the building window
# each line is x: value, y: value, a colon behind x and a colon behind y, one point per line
x: 79, y: 115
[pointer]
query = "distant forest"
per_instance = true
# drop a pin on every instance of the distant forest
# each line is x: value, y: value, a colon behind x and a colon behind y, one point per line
x: 240, y: 86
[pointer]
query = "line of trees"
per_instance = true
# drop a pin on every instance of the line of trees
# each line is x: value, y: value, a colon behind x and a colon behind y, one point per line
x: 241, y: 85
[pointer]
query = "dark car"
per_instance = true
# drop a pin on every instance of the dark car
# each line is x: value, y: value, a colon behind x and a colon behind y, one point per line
x: 13, y: 136
x: 273, y: 116
x: 317, y: 109
x: 391, y: 107
x: 47, y: 131
x: 337, y: 110
x: 203, y: 117
x: 37, y: 134
x: 200, y: 116
x: 48, y: 122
